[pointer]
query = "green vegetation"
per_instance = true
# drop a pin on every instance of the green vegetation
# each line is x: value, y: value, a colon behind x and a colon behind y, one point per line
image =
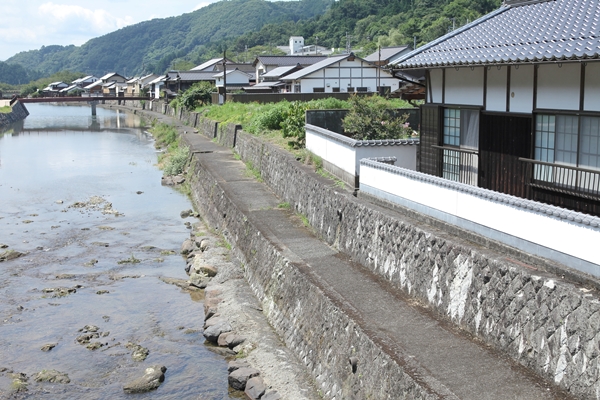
x: 177, y: 160
x: 198, y: 95
x: 285, y: 205
x: 6, y: 109
x: 62, y: 76
x: 174, y: 160
x: 370, y: 118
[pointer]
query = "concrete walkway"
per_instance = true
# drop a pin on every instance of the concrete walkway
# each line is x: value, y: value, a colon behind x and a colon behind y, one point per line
x: 448, y: 362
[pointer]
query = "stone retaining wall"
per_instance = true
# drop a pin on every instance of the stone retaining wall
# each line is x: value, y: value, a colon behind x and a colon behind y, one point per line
x: 540, y: 320
x: 19, y: 112
x: 317, y: 329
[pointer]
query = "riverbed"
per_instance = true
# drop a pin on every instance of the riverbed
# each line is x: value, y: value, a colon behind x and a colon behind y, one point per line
x: 81, y: 197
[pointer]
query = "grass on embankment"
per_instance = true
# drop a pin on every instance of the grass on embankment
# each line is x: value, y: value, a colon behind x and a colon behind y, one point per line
x: 173, y: 160
x: 6, y: 109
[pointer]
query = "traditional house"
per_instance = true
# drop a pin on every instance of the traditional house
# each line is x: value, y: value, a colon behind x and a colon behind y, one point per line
x: 264, y: 64
x: 271, y: 81
x: 345, y: 73
x: 136, y: 85
x: 85, y: 81
x: 235, y: 78
x: 513, y: 102
x: 113, y: 77
x: 53, y: 89
x: 211, y: 65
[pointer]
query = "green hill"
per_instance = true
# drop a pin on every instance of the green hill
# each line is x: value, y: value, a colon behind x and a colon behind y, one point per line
x: 156, y: 45
x: 149, y: 45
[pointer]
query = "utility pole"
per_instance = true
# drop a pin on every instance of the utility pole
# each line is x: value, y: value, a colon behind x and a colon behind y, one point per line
x: 379, y: 72
x: 224, y: 76
x: 316, y: 45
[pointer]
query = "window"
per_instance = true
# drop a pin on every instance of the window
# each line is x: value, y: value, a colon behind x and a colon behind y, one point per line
x: 335, y: 89
x: 461, y: 130
x: 571, y: 142
x: 350, y: 89
x: 362, y: 89
x: 318, y: 90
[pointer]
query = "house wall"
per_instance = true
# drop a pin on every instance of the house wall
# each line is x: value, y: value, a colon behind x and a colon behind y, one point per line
x: 558, y: 86
x: 592, y: 87
x: 436, y: 78
x: 464, y: 86
x: 348, y: 74
x: 496, y: 89
x: 521, y: 89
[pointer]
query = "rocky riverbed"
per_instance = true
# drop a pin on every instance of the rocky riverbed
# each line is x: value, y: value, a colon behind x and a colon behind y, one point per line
x: 95, y: 301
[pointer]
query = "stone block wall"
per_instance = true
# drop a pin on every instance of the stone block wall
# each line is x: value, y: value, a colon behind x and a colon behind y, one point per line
x: 19, y: 113
x: 543, y: 322
x: 317, y: 329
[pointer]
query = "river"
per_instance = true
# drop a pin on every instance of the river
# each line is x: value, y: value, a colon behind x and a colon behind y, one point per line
x: 81, y: 196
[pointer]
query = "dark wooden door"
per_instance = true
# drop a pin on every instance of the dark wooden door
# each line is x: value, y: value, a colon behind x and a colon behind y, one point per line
x: 502, y: 140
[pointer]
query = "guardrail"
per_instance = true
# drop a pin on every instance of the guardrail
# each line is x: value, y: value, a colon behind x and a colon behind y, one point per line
x: 459, y: 165
x: 562, y: 178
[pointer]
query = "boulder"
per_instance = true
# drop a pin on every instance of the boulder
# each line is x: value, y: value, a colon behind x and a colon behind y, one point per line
x: 207, y: 270
x: 238, y: 378
x: 255, y: 388
x: 10, y: 255
x: 52, y: 376
x: 212, y: 333
x: 210, y: 304
x: 237, y: 364
x: 153, y: 377
x: 222, y: 341
x: 233, y: 340
x: 215, y: 320
x: 204, y: 245
x: 187, y: 247
x: 199, y: 280
x: 186, y: 213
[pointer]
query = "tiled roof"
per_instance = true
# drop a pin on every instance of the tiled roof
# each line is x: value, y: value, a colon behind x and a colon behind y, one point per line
x: 209, y: 65
x: 386, y: 53
x: 195, y: 76
x: 279, y: 71
x: 282, y: 61
x: 518, y: 32
x: 315, y: 67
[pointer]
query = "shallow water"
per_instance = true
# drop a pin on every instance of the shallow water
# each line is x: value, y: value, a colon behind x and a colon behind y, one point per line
x: 59, y: 156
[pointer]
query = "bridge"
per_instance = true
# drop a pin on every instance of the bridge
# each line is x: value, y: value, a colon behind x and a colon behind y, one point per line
x: 93, y: 100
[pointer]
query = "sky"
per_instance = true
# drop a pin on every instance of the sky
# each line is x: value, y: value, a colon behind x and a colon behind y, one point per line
x: 31, y: 24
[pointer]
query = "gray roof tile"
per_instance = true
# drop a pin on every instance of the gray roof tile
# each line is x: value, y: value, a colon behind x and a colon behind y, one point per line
x: 526, y: 32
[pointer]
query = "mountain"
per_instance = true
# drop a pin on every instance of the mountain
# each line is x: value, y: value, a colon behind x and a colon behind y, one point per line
x: 257, y: 25
x: 149, y: 45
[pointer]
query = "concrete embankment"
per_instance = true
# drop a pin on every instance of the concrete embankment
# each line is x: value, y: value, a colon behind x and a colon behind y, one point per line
x: 353, y: 322
x: 19, y: 112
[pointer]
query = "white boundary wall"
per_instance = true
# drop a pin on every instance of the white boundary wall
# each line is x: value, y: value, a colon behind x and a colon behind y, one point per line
x: 558, y: 234
x: 345, y: 153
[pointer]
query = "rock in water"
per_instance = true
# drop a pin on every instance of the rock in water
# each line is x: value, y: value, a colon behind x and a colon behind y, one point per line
x: 52, y: 376
x: 151, y: 380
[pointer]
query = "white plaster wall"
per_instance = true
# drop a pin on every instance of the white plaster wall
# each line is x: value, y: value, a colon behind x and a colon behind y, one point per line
x: 464, y: 86
x: 496, y: 89
x: 436, y: 76
x: 348, y: 158
x: 555, y: 234
x: 307, y: 85
x: 558, y: 88
x: 592, y: 87
x: 521, y: 89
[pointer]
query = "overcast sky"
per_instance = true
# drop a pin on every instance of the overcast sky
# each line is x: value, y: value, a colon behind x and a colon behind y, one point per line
x: 31, y: 24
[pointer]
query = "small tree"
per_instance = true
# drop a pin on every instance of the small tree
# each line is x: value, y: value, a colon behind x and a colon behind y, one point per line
x: 370, y: 118
x: 199, y: 94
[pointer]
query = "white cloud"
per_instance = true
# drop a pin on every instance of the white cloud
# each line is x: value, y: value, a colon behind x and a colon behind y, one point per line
x: 66, y: 17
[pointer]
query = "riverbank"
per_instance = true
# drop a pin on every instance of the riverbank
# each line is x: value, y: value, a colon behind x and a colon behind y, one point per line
x: 518, y: 310
x: 231, y: 297
x: 19, y: 112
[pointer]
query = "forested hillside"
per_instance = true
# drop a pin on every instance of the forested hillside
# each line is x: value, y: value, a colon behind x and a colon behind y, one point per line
x: 257, y: 25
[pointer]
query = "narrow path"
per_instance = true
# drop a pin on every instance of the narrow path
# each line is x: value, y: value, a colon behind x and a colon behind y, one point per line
x: 451, y: 364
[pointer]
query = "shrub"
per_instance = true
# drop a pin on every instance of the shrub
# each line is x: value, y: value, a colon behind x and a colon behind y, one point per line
x: 164, y: 134
x: 369, y: 118
x: 177, y: 161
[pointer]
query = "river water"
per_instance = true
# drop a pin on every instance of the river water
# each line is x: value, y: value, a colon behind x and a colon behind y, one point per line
x: 81, y: 196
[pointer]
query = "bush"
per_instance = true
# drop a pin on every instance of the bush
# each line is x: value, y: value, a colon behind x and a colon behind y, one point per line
x: 369, y: 118
x: 177, y: 161
x: 164, y: 134
x: 270, y: 119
